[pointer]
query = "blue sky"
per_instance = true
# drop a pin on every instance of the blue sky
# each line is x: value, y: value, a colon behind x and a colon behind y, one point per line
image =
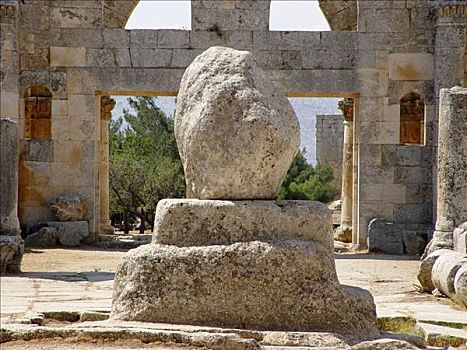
x: 175, y: 14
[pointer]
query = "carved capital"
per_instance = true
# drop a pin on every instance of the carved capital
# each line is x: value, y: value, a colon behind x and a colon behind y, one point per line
x: 452, y: 13
x: 107, y: 105
x: 346, y: 106
x: 8, y: 12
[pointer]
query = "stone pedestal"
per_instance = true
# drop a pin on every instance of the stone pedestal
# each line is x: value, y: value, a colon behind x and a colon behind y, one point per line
x: 242, y: 264
x: 11, y: 244
x: 107, y: 104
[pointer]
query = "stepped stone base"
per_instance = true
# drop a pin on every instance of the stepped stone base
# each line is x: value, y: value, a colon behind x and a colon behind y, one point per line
x: 272, y: 283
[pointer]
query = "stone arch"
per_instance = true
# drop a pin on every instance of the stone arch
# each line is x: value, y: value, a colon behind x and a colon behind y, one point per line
x: 37, y: 113
x: 412, y: 119
x: 342, y: 15
x: 116, y: 13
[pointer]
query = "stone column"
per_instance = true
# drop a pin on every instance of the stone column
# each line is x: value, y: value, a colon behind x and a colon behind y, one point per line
x: 344, y: 232
x: 11, y: 244
x: 449, y: 57
x: 452, y: 166
x: 107, y: 104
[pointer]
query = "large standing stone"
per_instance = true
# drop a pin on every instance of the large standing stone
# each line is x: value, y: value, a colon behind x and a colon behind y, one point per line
x: 69, y: 207
x: 244, y: 264
x: 11, y: 244
x: 237, y: 133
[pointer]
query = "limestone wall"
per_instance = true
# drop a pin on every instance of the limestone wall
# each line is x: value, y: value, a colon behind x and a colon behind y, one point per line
x: 78, y: 50
x: 330, y: 142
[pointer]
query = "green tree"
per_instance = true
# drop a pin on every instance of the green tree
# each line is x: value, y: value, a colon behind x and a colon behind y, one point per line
x: 305, y: 182
x: 144, y: 163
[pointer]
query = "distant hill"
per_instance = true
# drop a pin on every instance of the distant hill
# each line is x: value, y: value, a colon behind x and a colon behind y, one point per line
x: 306, y: 109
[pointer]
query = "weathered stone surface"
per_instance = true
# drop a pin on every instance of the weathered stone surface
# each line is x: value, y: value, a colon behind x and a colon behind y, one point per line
x: 45, y: 237
x: 69, y: 207
x: 11, y: 254
x: 392, y: 238
x: 426, y: 267
x: 188, y: 222
x: 281, y: 285
x: 237, y: 133
x: 440, y: 240
x: 343, y: 233
x: 70, y: 233
x: 383, y: 237
x: 384, y: 344
x: 459, y: 237
x: 9, y: 224
x: 452, y: 163
x: 445, y: 269
x: 460, y: 284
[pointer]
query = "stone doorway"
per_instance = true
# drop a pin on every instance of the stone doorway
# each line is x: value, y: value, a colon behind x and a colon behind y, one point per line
x: 112, y: 105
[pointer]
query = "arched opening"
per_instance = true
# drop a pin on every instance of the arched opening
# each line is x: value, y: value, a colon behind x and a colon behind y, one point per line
x: 161, y: 15
x: 303, y: 15
x: 412, y: 119
x: 38, y: 113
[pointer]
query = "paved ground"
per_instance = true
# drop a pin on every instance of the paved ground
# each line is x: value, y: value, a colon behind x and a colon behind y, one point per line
x: 82, y: 279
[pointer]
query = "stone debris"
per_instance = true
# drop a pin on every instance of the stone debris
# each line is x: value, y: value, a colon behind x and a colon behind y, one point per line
x: 445, y: 271
x: 11, y: 254
x: 459, y: 237
x: 390, y: 238
x: 45, y: 237
x: 236, y: 131
x: 69, y: 207
x: 426, y: 266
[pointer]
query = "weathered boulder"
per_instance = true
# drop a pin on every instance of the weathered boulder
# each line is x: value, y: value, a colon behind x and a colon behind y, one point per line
x: 70, y: 234
x: 445, y: 269
x: 280, y: 285
x: 236, y: 132
x: 460, y: 284
x: 343, y: 233
x: 384, y: 344
x: 69, y: 207
x: 390, y: 238
x: 11, y: 254
x: 192, y: 222
x: 384, y: 237
x: 426, y: 267
x: 45, y: 237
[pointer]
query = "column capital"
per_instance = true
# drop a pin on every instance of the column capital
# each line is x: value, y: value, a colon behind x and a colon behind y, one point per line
x: 451, y: 13
x: 8, y: 11
x: 346, y: 106
x: 107, y: 105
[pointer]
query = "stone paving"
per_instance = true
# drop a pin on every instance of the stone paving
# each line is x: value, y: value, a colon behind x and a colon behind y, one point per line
x: 82, y: 280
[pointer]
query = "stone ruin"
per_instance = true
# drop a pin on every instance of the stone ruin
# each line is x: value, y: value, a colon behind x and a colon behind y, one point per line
x: 11, y: 244
x: 444, y: 264
x: 231, y: 254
